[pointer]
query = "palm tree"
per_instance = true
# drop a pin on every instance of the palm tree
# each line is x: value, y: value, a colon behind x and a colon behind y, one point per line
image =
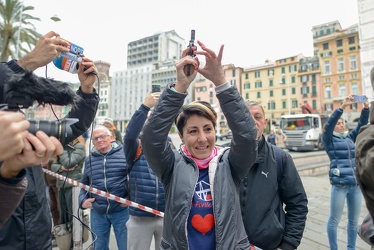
x: 16, y: 29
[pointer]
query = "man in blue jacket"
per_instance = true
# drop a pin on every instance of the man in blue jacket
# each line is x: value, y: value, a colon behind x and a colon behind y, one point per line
x: 106, y: 170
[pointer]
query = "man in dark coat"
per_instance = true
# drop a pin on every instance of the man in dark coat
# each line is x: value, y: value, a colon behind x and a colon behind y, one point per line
x: 266, y: 190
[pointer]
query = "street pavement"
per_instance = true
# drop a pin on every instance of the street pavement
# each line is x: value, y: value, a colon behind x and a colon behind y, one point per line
x: 318, y: 191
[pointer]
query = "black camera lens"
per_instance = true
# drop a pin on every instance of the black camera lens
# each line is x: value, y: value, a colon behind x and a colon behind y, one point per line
x: 60, y: 129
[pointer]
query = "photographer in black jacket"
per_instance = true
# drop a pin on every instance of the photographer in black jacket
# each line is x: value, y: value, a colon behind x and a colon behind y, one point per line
x: 30, y: 225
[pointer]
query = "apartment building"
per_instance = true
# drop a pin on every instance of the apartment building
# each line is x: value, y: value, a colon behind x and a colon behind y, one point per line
x: 338, y: 51
x: 275, y: 85
x: 310, y: 84
x: 321, y: 81
x: 149, y: 60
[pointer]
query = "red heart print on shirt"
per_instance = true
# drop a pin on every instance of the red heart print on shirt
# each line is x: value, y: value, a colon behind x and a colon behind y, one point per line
x: 203, y: 225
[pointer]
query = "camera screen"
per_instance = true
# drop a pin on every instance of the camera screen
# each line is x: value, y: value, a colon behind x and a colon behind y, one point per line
x: 359, y: 98
x: 156, y: 88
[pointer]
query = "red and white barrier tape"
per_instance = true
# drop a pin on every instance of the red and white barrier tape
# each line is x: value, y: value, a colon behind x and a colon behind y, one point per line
x: 104, y: 194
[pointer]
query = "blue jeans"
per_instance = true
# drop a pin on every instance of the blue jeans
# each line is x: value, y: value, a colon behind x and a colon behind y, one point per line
x: 101, y: 224
x: 354, y: 198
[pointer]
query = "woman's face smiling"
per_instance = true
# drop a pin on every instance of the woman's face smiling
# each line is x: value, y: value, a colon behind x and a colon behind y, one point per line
x: 199, y: 136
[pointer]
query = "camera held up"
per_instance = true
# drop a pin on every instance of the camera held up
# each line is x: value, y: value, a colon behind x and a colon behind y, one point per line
x: 69, y: 61
x: 190, y: 52
x: 21, y: 90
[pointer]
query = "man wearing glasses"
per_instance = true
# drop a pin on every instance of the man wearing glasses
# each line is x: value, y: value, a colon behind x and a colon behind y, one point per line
x: 106, y: 169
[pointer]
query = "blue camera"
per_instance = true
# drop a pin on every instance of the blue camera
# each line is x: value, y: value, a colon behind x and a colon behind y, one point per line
x: 359, y: 98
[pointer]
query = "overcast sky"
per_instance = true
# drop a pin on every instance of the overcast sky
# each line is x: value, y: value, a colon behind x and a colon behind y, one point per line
x: 252, y: 31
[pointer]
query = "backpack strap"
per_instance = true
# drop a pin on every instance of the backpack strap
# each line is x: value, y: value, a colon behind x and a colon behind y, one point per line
x: 279, y: 161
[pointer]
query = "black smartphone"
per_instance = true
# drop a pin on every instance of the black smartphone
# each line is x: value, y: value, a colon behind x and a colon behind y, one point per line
x: 359, y: 98
x: 156, y: 88
x: 190, y: 45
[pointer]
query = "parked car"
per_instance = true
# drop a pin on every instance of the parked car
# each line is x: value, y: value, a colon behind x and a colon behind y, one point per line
x: 224, y: 136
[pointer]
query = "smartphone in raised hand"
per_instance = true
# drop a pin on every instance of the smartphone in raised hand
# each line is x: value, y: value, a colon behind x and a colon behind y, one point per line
x: 156, y: 88
x: 190, y: 52
x: 359, y: 98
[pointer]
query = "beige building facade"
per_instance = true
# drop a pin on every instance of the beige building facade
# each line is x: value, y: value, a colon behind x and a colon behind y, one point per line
x: 338, y: 51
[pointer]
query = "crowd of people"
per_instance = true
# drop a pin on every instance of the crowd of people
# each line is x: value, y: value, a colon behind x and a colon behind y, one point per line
x: 277, y: 139
x: 246, y: 194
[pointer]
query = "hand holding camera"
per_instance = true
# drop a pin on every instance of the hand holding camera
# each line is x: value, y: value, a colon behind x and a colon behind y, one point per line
x: 38, y: 149
x: 355, y: 99
x: 156, y: 88
x: 212, y: 69
x: 151, y: 99
x: 363, y: 99
x: 13, y: 132
x: 87, y: 75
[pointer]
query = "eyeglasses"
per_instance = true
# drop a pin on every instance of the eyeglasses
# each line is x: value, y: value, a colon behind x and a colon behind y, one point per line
x: 101, y: 137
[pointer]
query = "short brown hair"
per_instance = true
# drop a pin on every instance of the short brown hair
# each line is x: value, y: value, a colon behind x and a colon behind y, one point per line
x: 200, y: 108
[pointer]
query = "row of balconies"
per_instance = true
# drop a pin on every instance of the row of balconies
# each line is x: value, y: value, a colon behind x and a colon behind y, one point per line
x: 339, y: 51
x: 143, y: 50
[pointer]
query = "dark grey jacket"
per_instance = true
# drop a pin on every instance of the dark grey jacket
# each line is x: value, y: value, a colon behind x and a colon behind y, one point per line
x: 179, y: 173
